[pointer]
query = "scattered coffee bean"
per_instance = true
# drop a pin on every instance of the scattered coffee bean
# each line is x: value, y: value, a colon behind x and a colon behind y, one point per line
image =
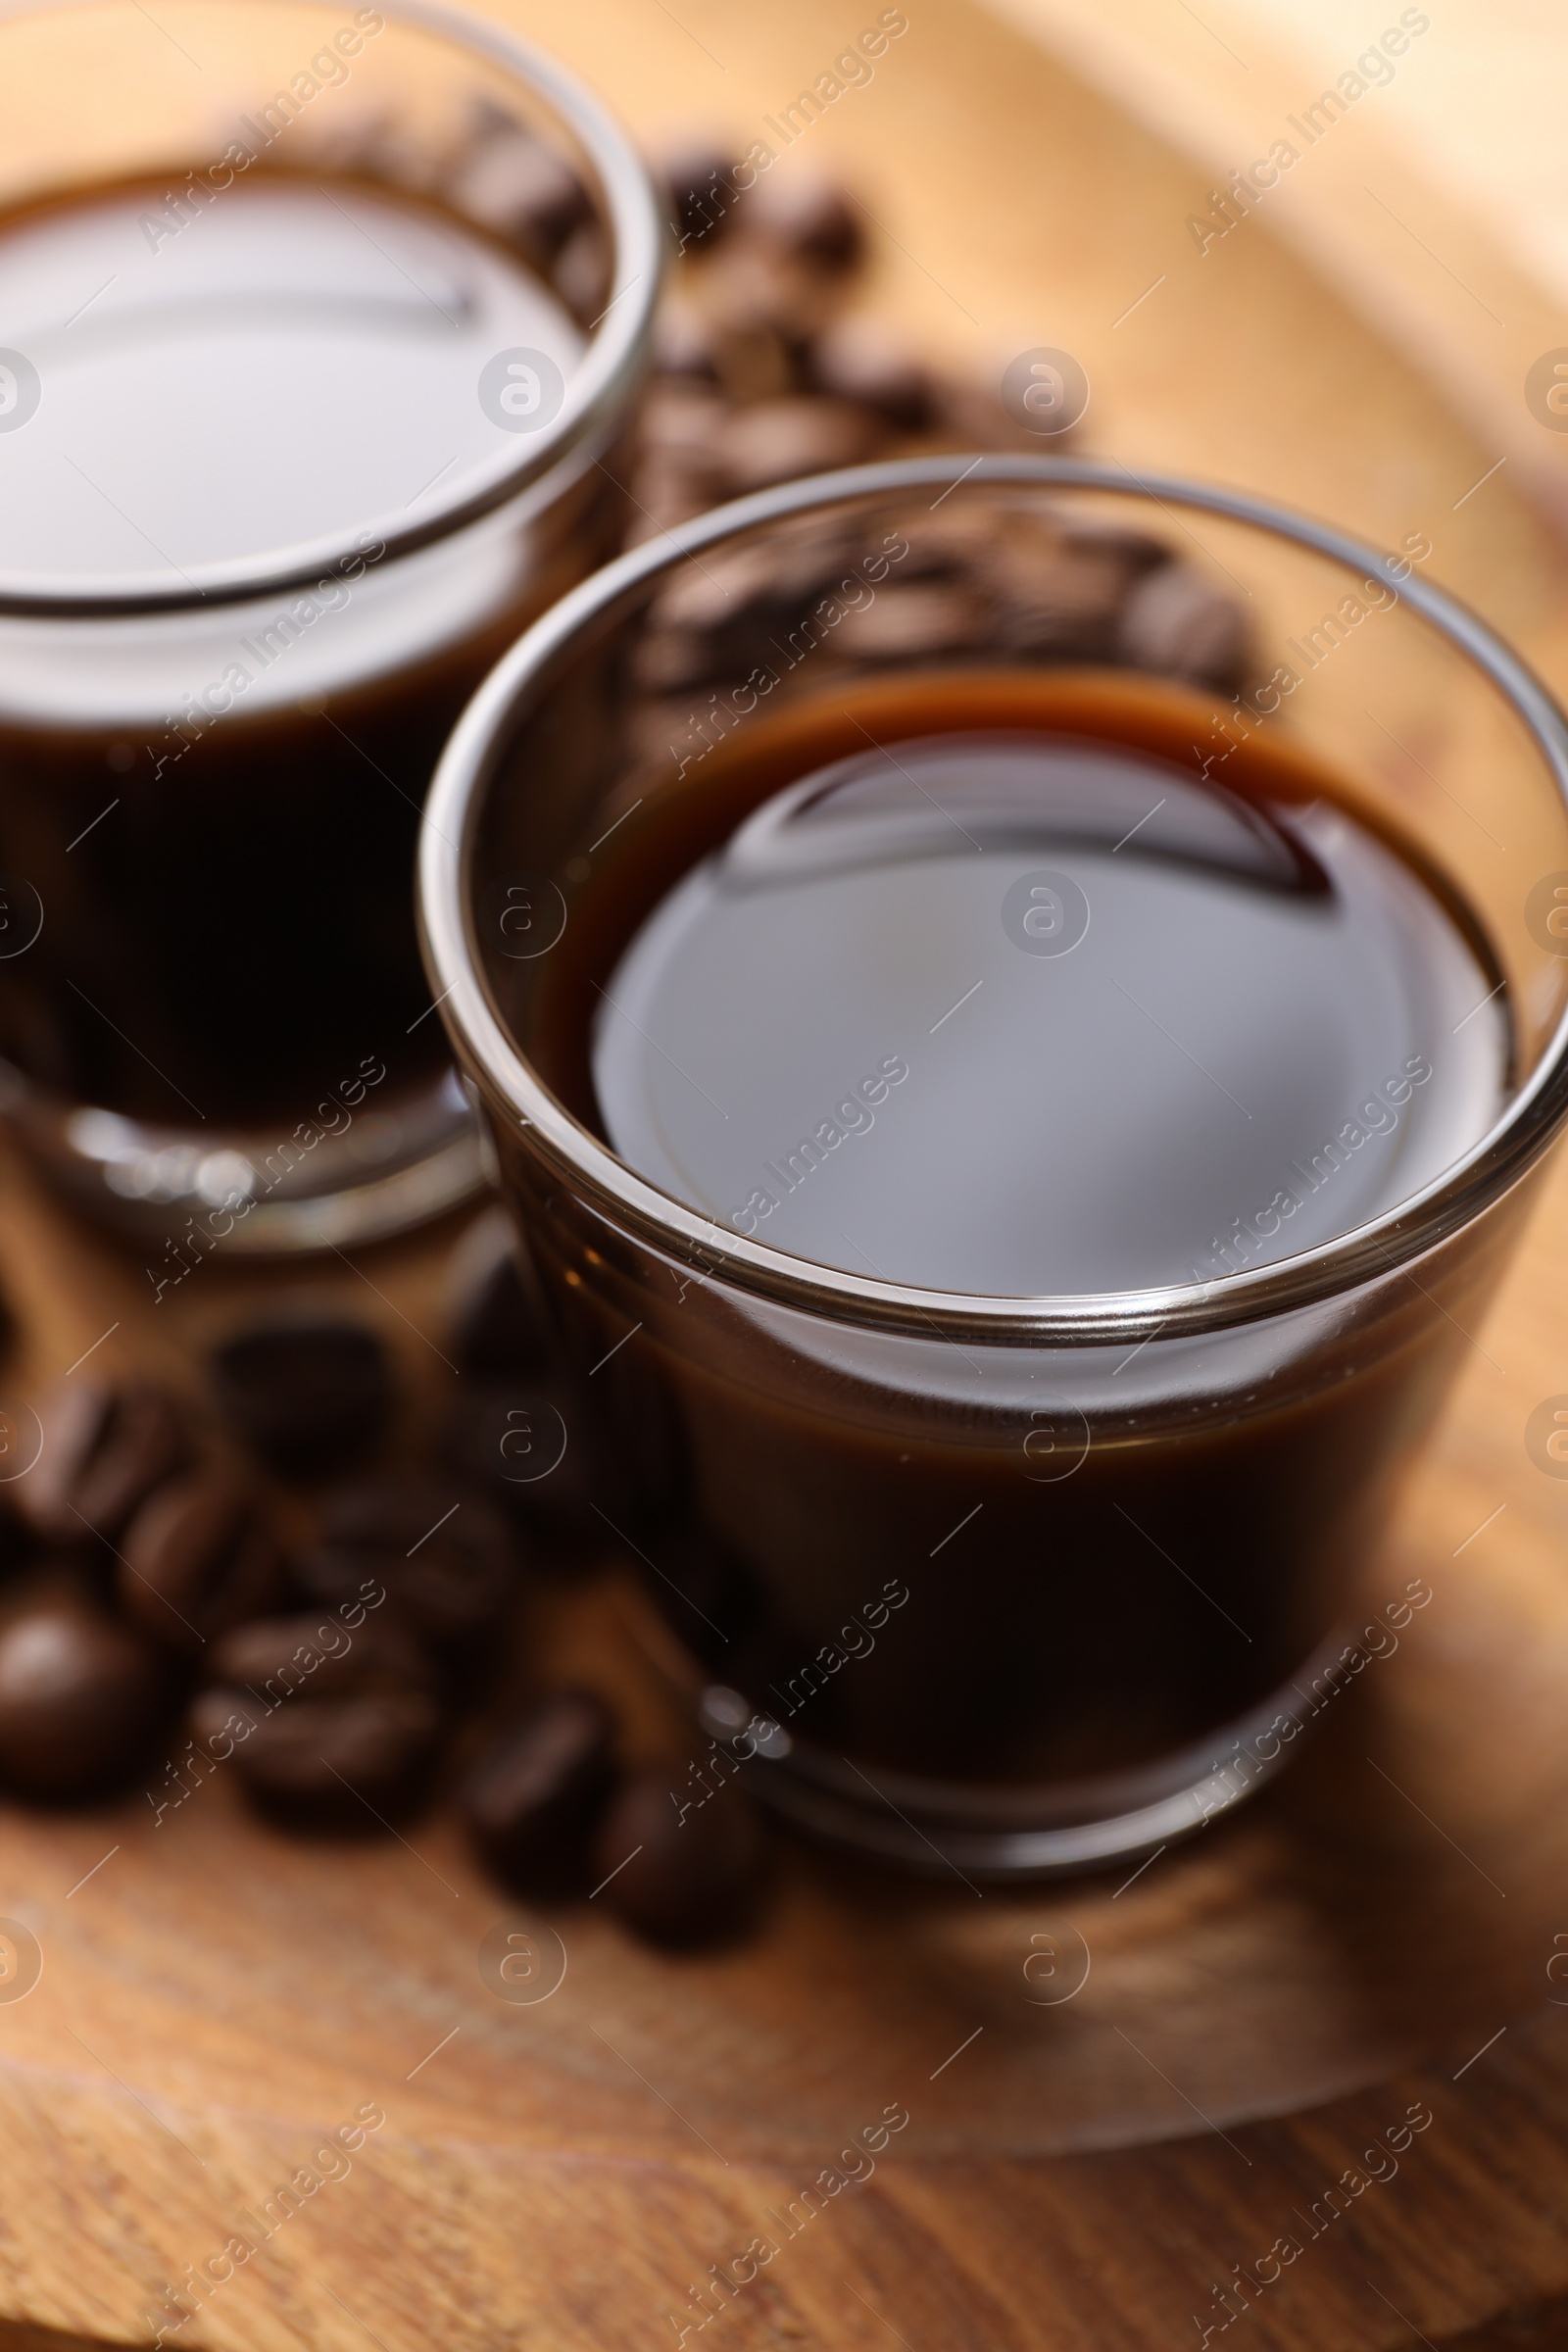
x: 80, y: 1698
x: 515, y: 185
x: 334, y: 1724
x: 753, y: 289
x: 813, y: 219
x: 532, y: 1797
x: 582, y: 274
x: 197, y: 1560
x: 106, y: 1446
x: 916, y: 620
x: 1178, y: 624
x: 680, y: 1879
x: 445, y: 1559
x: 857, y: 360
x: 307, y: 1395
x: 702, y: 194
x: 774, y: 440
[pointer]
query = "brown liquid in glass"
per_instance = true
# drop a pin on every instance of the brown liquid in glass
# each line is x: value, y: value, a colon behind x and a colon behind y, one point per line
x: 979, y: 985
x: 225, y: 864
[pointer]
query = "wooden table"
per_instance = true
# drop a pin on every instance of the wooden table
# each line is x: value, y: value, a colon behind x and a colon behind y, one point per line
x: 1118, y: 2096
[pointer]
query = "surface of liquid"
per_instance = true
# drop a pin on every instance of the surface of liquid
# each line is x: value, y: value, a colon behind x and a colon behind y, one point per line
x: 1021, y: 1013
x: 288, y: 363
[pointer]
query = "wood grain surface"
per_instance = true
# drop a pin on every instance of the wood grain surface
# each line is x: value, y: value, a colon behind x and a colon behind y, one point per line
x: 1119, y: 2098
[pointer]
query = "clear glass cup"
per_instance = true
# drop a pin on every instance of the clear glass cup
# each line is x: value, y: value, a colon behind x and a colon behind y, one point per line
x: 212, y: 753
x: 793, y: 1448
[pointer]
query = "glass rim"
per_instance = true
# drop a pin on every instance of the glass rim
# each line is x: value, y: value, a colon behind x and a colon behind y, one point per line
x: 612, y: 359
x: 457, y: 793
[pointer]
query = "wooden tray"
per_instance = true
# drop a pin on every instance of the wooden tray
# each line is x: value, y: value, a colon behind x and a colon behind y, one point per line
x: 1119, y: 2098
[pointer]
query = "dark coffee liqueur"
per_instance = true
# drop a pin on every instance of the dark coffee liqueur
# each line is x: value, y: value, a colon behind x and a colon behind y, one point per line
x: 978, y: 984
x: 298, y: 363
x: 1014, y: 1011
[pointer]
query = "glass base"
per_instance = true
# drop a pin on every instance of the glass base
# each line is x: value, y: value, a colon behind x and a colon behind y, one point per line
x: 948, y: 1828
x: 395, y: 1162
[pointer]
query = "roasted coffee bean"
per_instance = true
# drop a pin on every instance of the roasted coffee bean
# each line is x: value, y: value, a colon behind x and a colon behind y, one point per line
x: 752, y: 290
x: 913, y: 620
x: 532, y: 1797
x: 524, y: 1445
x: 1176, y: 623
x: 80, y: 1696
x: 685, y: 1871
x: 196, y: 1559
x: 701, y: 195
x: 1058, y: 602
x: 333, y: 1718
x: 445, y: 1559
x: 581, y: 273
x: 858, y: 359
x: 516, y: 186
x: 496, y: 1325
x: 813, y: 220
x: 738, y: 612
x: 776, y: 440
x: 307, y: 1395
x: 106, y: 1446
x: 685, y: 343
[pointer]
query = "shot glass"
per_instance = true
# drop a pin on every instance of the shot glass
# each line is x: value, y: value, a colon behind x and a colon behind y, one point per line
x: 1002, y: 1585
x: 324, y: 326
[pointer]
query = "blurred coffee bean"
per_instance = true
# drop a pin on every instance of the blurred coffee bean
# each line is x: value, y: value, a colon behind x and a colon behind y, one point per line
x: 914, y: 621
x: 681, y: 1878
x: 755, y: 290
x: 496, y: 1325
x: 515, y: 186
x: 195, y: 1561
x: 777, y: 440
x: 685, y: 342
x: 331, y: 1724
x: 701, y: 195
x: 858, y: 359
x: 1058, y: 602
x: 532, y: 1797
x: 523, y: 1443
x: 737, y: 611
x: 80, y: 1696
x: 1178, y: 624
x: 106, y: 1446
x: 581, y: 273
x: 445, y: 1559
x: 306, y: 1395
x: 811, y: 220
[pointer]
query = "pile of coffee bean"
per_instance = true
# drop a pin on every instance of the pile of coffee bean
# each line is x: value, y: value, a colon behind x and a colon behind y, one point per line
x: 767, y: 370
x: 767, y: 367
x: 496, y: 172
x: 157, y: 1627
